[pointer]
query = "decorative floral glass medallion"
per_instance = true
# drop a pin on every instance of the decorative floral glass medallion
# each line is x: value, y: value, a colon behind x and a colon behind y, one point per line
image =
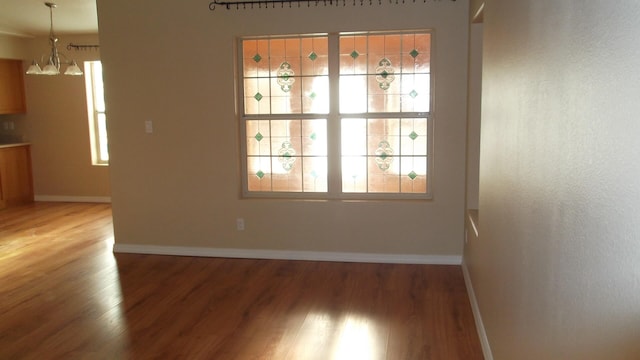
x: 287, y: 156
x: 285, y: 76
x: 384, y: 156
x: 384, y: 73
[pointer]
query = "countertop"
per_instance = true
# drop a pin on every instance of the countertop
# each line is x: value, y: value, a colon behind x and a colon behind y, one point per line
x: 2, y: 146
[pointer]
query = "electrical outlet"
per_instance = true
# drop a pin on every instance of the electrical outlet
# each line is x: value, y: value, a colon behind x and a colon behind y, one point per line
x: 148, y: 127
x: 240, y: 224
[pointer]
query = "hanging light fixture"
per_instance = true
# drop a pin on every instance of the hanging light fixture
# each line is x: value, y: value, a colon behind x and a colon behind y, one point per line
x: 53, y: 65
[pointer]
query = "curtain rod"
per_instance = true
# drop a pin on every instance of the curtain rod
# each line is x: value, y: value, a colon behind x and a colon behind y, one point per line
x: 82, y: 47
x: 267, y: 3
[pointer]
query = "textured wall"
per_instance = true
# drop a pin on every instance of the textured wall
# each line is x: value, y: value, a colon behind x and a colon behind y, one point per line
x: 173, y: 63
x: 556, y: 267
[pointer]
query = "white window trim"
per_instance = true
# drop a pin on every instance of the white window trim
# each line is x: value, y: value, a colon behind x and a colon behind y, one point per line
x: 334, y: 177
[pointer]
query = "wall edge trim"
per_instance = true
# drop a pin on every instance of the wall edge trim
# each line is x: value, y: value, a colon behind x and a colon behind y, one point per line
x: 482, y: 334
x: 82, y: 199
x: 288, y: 254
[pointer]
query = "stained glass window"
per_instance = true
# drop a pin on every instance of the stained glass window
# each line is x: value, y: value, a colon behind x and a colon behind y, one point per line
x: 384, y: 155
x: 287, y: 155
x: 374, y: 141
x: 385, y: 73
x: 286, y: 75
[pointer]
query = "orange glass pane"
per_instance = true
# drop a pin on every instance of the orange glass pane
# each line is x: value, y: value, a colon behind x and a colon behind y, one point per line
x: 290, y: 181
x: 259, y: 173
x: 257, y: 100
x: 314, y: 137
x: 285, y: 102
x: 276, y: 48
x: 315, y: 95
x: 353, y: 54
x: 383, y: 127
x: 258, y: 138
x: 314, y: 56
x: 383, y: 181
x: 423, y: 46
x: 415, y: 92
x: 413, y: 174
x: 255, y: 58
x: 314, y: 174
x: 375, y: 44
x: 414, y: 137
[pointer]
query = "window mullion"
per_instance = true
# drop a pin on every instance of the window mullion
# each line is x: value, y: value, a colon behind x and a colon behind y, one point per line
x: 333, y: 121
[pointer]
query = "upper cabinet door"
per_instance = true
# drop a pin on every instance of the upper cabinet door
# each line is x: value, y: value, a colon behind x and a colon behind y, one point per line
x: 12, y: 99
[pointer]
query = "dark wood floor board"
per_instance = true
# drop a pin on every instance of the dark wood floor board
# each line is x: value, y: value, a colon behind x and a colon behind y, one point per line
x: 65, y: 295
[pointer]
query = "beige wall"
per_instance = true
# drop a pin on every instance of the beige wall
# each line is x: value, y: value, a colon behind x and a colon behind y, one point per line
x: 173, y: 64
x: 474, y: 106
x: 13, y: 47
x: 56, y: 125
x: 555, y: 269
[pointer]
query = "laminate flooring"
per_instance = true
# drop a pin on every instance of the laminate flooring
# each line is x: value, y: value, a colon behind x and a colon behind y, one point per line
x: 64, y: 294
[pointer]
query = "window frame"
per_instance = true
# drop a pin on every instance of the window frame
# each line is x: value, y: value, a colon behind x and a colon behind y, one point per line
x: 93, y: 114
x: 333, y: 121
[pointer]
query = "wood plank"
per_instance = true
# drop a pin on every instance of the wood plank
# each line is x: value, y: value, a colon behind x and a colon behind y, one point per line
x: 64, y: 294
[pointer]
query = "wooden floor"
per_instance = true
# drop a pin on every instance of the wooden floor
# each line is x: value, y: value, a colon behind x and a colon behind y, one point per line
x: 65, y: 295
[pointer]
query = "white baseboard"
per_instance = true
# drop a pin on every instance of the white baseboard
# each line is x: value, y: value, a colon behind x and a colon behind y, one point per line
x: 83, y: 199
x: 289, y: 255
x: 482, y: 334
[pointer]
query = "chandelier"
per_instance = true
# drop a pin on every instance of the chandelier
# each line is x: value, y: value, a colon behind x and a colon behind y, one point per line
x: 53, y: 65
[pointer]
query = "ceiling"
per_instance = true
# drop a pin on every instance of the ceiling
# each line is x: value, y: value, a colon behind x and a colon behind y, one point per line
x: 29, y: 18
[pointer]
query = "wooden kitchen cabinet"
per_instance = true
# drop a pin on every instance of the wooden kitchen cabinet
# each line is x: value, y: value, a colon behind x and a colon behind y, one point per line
x: 12, y: 99
x: 16, y: 183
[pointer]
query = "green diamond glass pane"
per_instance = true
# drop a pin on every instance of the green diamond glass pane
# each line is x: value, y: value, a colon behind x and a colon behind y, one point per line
x: 312, y: 96
x: 259, y: 136
x: 258, y: 96
x: 313, y: 136
x: 414, y: 53
x: 413, y: 94
x: 412, y: 175
x: 413, y: 135
x: 313, y: 56
x: 354, y: 54
x: 384, y: 74
x: 260, y: 174
x: 257, y: 58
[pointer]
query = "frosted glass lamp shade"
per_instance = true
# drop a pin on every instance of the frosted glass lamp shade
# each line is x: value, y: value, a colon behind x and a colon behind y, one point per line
x: 73, y: 69
x: 50, y: 69
x: 34, y: 69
